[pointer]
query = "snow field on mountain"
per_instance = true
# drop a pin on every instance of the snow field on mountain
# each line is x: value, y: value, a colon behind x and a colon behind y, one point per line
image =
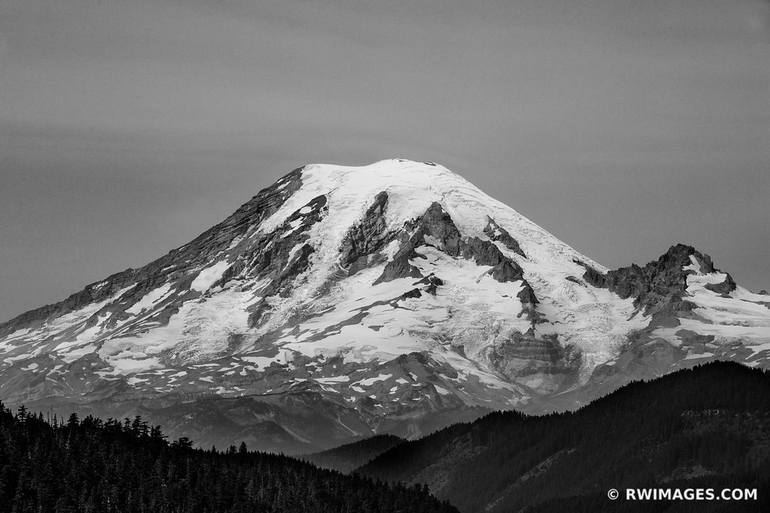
x: 200, y: 329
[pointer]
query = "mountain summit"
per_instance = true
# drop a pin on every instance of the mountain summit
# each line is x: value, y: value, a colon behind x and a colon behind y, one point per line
x: 391, y: 298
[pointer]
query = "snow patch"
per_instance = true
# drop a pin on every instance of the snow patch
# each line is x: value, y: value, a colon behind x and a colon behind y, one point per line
x: 333, y: 379
x: 208, y: 276
x: 150, y: 299
x: 370, y: 381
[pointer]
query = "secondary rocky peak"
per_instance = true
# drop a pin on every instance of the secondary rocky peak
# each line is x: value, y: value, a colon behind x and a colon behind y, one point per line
x: 661, y: 282
x: 678, y: 256
x: 435, y: 227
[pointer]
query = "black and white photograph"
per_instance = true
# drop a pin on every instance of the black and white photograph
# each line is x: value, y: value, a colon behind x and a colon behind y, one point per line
x: 374, y: 256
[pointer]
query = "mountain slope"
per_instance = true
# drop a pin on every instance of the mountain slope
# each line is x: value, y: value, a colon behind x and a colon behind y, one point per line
x: 704, y: 427
x: 353, y: 455
x: 391, y: 298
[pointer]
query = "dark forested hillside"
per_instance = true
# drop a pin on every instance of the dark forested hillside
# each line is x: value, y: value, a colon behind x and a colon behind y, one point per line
x: 704, y: 427
x: 351, y: 456
x: 101, y: 467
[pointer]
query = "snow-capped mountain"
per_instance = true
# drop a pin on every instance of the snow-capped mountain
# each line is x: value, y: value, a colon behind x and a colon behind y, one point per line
x: 345, y: 301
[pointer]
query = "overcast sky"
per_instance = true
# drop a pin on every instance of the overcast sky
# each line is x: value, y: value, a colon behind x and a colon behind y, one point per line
x: 127, y: 127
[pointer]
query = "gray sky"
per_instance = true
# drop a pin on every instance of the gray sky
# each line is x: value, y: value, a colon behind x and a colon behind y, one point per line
x: 127, y: 127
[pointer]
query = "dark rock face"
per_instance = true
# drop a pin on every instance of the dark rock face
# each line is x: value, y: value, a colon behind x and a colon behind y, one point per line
x: 436, y: 223
x: 433, y: 282
x: 414, y: 293
x: 506, y: 271
x: 723, y: 288
x: 436, y: 228
x: 529, y: 301
x: 658, y: 284
x: 484, y: 252
x: 592, y: 276
x: 366, y: 238
x: 499, y: 234
x: 272, y: 255
x: 527, y: 295
x: 299, y: 264
x: 400, y: 267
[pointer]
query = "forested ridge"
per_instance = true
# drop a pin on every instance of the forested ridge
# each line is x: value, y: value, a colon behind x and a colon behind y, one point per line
x: 703, y: 427
x: 94, y: 466
x: 351, y: 456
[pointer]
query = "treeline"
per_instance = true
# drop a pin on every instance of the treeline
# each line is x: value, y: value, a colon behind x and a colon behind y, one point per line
x: 95, y: 466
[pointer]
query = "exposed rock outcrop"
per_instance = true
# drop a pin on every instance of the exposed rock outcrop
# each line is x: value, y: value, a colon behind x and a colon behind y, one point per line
x: 276, y: 258
x: 366, y: 238
x: 657, y: 285
x: 499, y: 234
x: 400, y: 267
x: 437, y: 225
x: 529, y: 303
x: 432, y: 283
x: 723, y: 288
x: 436, y: 228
